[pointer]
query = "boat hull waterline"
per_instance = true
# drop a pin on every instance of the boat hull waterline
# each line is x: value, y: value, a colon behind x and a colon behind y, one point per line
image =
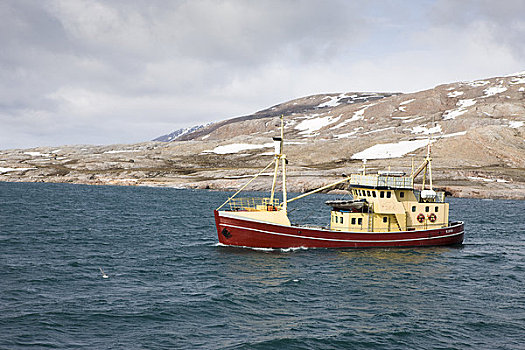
x: 236, y: 231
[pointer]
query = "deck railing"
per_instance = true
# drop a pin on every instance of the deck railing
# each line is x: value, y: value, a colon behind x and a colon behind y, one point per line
x: 401, y: 182
x: 254, y: 204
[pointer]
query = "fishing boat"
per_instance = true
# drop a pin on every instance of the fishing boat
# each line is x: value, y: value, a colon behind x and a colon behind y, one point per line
x: 386, y: 210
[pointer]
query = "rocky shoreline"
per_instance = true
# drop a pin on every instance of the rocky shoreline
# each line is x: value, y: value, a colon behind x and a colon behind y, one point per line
x: 175, y: 165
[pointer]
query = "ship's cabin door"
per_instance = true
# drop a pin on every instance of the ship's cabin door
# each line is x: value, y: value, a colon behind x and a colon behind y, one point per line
x: 386, y: 222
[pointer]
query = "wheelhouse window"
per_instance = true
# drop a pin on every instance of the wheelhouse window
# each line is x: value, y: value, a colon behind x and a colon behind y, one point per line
x: 437, y: 209
x: 359, y: 221
x: 374, y: 194
x: 382, y: 194
x: 385, y: 219
x: 427, y: 209
x: 388, y: 194
x: 413, y: 209
x: 368, y: 193
x: 401, y: 194
x: 353, y: 221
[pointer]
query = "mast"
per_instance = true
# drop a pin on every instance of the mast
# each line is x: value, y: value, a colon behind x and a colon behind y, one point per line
x: 279, y: 156
x: 283, y: 160
x: 429, y: 150
x: 276, y: 161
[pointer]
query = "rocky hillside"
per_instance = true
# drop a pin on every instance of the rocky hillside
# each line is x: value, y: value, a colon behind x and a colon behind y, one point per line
x: 478, y: 132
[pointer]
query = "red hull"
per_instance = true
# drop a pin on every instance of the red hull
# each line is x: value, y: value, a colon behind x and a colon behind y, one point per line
x: 256, y: 234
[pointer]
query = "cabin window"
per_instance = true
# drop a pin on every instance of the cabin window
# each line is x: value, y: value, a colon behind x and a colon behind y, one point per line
x: 401, y: 194
x: 413, y: 209
x: 359, y: 221
x: 353, y: 221
x: 341, y: 220
x: 388, y: 194
x: 368, y: 193
x: 374, y: 194
x: 385, y: 219
x: 437, y: 209
x: 427, y: 208
x: 382, y: 194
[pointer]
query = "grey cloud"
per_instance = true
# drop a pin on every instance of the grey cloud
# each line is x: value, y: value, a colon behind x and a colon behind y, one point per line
x: 503, y: 20
x: 111, y: 71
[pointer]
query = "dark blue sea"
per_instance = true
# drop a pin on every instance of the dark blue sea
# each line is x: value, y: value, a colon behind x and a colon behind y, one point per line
x: 171, y: 286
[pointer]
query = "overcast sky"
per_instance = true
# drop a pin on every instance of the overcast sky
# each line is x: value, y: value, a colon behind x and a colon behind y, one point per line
x: 124, y: 71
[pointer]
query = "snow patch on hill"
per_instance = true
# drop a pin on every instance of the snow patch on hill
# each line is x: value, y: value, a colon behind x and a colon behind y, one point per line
x: 491, y: 91
x: 6, y: 170
x: 390, y: 150
x: 309, y: 126
x: 333, y: 101
x: 455, y: 93
x: 478, y: 83
x: 462, y: 109
x: 237, y: 147
x: 517, y: 81
x: 420, y: 129
x: 515, y: 124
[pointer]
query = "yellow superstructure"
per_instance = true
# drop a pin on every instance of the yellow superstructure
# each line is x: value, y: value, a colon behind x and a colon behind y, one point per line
x: 389, y: 204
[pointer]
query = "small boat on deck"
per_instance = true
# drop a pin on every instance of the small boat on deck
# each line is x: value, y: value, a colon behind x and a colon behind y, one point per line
x: 386, y: 211
x: 347, y: 204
